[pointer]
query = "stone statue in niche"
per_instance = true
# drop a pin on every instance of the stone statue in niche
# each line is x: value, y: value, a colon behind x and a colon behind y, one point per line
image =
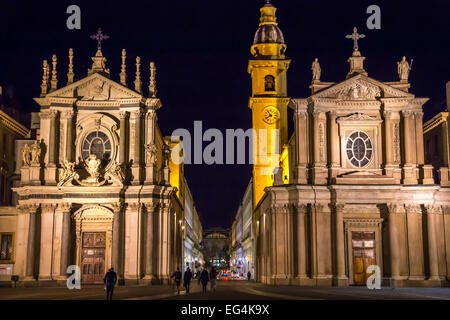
x: 151, y: 154
x: 26, y: 156
x: 35, y: 153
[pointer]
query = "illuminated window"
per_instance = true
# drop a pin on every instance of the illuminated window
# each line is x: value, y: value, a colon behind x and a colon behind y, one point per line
x: 359, y: 149
x: 97, y: 143
x: 6, y: 247
x: 269, y: 83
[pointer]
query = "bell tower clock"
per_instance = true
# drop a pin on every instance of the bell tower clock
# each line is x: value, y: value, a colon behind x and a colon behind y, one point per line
x: 269, y: 101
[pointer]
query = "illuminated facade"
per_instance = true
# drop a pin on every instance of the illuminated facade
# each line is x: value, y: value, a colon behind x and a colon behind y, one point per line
x: 99, y: 189
x: 243, y: 236
x: 354, y: 189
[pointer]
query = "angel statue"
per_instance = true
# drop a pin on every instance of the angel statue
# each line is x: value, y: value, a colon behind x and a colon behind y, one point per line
x: 26, y: 156
x: 67, y: 173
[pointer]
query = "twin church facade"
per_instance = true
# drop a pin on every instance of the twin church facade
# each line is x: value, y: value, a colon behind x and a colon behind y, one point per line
x: 349, y: 189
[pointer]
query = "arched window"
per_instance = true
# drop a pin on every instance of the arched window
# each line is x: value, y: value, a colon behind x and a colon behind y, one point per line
x: 269, y: 83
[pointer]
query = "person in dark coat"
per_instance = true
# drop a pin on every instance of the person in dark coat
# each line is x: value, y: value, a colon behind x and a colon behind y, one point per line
x: 187, y: 279
x: 177, y: 278
x: 110, y: 281
x: 204, y: 278
x: 249, y: 275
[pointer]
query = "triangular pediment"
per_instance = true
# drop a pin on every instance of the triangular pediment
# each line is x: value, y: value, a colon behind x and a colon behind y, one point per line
x: 361, y: 87
x: 95, y: 87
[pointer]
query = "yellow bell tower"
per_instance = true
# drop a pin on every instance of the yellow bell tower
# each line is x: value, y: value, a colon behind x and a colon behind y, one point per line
x: 269, y: 101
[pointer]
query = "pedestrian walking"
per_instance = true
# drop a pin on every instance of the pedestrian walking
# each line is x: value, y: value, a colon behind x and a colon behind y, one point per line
x: 187, y: 279
x: 213, y: 278
x: 249, y: 275
x: 204, y: 278
x: 110, y: 280
x: 177, y: 278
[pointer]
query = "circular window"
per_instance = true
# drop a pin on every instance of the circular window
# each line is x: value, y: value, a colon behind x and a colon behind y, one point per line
x: 97, y: 143
x: 359, y: 149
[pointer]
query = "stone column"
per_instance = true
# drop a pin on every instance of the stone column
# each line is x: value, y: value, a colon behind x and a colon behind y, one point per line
x: 65, y: 239
x: 388, y: 137
x: 123, y: 136
x: 432, y: 243
x: 150, y: 161
x: 302, y: 139
x: 302, y: 211
x: 116, y: 262
x: 394, y: 243
x: 415, y: 242
x: 135, y: 145
x: 47, y: 241
x: 31, y: 245
x: 419, y: 137
x: 149, y: 249
x: 341, y: 277
x: 320, y: 172
x: 52, y: 147
x: 335, y: 156
x: 68, y: 117
x: 409, y: 173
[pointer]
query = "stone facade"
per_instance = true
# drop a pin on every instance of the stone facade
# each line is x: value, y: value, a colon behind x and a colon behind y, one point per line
x: 353, y: 189
x: 97, y: 189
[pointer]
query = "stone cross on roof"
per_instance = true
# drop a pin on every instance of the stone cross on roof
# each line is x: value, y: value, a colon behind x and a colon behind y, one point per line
x: 99, y: 37
x: 355, y: 36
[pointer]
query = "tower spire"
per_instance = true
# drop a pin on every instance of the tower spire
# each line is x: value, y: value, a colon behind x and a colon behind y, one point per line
x: 137, y: 82
x: 123, y: 74
x: 70, y: 73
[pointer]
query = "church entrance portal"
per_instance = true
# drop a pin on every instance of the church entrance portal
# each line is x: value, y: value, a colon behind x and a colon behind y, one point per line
x: 93, y: 257
x: 363, y: 244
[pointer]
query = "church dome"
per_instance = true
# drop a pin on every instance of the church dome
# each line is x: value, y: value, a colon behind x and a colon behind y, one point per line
x: 268, y: 33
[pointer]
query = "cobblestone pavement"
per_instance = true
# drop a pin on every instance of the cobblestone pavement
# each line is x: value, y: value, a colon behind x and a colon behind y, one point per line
x: 226, y: 290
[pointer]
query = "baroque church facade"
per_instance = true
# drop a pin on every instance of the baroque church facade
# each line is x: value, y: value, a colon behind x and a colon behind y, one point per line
x: 98, y: 189
x: 350, y: 187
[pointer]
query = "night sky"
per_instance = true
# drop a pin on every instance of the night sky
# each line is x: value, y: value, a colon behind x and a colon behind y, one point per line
x: 201, y: 50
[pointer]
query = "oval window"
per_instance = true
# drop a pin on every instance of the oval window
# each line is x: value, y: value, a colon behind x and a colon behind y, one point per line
x: 359, y: 149
x: 97, y: 143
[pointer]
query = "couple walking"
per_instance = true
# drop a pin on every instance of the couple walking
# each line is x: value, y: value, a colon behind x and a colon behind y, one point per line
x: 211, y: 277
x: 187, y: 279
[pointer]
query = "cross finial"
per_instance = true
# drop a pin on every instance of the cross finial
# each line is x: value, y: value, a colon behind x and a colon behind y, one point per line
x: 99, y: 36
x: 355, y: 36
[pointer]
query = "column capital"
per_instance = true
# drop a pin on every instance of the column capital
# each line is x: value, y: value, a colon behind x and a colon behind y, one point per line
x: 408, y: 114
x: 134, y: 206
x: 413, y: 208
x: 316, y: 113
x: 67, y: 114
x: 332, y: 113
x: 433, y: 209
x: 48, y: 207
x: 301, y: 207
x: 418, y: 115
x: 28, y: 208
x: 151, y: 114
x: 117, y: 206
x: 387, y: 114
x: 151, y: 206
x: 65, y: 206
x: 395, y: 208
x: 338, y: 207
x: 136, y: 114
x: 123, y: 115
